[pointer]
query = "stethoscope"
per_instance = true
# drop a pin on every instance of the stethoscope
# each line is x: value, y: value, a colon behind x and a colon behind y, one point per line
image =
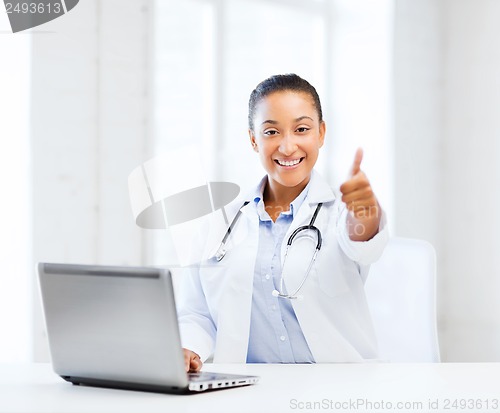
x: 221, y: 251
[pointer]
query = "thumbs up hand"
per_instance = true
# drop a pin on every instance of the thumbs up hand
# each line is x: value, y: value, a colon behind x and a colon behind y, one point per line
x: 364, y: 210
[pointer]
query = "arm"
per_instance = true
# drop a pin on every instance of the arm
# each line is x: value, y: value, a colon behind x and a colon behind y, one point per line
x: 195, y: 322
x: 363, y: 233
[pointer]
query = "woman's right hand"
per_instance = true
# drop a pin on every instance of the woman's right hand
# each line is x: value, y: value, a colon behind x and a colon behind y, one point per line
x: 192, y: 360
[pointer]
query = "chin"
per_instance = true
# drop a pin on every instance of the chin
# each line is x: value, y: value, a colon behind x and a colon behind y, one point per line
x: 292, y: 182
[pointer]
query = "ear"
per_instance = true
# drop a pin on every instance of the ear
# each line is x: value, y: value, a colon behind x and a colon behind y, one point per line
x: 253, y: 142
x: 322, y: 132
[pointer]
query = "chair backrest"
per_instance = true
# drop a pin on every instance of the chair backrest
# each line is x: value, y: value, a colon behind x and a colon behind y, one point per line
x: 401, y: 293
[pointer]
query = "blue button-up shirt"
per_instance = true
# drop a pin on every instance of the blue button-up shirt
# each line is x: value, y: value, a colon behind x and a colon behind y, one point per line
x: 275, y: 333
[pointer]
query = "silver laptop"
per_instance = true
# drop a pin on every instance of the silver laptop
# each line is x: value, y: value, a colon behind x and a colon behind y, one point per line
x: 117, y: 327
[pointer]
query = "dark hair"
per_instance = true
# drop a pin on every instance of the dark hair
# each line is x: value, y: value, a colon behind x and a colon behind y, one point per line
x: 278, y: 83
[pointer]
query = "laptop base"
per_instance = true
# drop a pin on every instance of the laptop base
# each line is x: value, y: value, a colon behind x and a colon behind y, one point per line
x: 120, y: 385
x: 201, y: 386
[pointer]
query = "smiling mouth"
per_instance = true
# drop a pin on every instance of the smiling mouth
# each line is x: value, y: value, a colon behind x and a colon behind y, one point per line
x: 288, y: 163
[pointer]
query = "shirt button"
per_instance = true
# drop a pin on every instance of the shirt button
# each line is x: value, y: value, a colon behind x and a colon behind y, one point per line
x: 282, y: 338
x: 274, y: 307
x: 268, y: 276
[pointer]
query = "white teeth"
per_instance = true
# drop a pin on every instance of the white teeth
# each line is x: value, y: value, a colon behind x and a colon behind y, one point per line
x: 289, y: 163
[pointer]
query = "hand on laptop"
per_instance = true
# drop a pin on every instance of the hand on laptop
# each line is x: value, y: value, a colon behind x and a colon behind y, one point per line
x: 192, y: 360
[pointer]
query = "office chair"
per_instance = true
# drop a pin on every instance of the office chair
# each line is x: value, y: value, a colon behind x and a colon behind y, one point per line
x: 401, y: 293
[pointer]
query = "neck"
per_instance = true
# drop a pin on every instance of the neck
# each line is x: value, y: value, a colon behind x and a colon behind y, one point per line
x: 276, y: 194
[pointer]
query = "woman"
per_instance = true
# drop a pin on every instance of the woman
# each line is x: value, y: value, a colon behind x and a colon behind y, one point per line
x: 247, y: 307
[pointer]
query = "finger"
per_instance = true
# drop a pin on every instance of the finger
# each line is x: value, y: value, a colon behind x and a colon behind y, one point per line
x: 365, y: 193
x: 358, y: 182
x: 365, y: 206
x: 195, y: 364
x: 356, y: 166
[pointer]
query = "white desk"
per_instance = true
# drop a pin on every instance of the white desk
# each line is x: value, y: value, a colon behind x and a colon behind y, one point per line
x: 35, y: 388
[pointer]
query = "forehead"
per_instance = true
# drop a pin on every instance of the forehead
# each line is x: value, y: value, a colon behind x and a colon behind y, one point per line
x: 286, y: 104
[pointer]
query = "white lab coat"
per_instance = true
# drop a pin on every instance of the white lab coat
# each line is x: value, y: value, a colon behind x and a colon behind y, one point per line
x: 215, y: 298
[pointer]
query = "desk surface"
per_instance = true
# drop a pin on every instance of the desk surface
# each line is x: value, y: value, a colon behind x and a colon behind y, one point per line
x: 447, y: 387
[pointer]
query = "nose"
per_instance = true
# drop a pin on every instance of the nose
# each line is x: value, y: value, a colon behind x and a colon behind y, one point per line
x: 288, y: 145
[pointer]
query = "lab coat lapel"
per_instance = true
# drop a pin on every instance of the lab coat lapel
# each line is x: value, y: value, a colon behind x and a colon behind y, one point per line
x: 324, y: 340
x: 235, y: 306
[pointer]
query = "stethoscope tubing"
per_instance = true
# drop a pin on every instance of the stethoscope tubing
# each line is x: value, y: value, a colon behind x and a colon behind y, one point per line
x: 221, y: 251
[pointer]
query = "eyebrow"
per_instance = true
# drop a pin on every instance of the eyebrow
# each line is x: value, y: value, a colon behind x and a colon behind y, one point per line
x: 274, y: 122
x: 303, y: 117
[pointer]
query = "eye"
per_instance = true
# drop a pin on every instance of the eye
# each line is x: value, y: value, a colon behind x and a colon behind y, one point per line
x: 270, y: 132
x: 303, y: 129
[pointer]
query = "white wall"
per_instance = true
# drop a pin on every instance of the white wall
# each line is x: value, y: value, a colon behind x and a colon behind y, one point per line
x: 418, y: 117
x: 471, y: 180
x: 15, y: 204
x: 447, y: 60
x: 89, y: 130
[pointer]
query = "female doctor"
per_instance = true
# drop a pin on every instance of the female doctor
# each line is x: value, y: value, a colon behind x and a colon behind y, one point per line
x: 261, y: 300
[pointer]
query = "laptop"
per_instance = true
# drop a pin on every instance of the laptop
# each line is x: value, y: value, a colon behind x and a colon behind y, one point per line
x: 117, y: 327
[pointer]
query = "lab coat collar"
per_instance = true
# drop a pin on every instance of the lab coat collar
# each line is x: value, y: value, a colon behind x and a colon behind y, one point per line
x: 319, y: 191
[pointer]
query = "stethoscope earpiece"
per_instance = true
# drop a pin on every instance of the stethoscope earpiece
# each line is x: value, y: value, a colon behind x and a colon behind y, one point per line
x: 298, y: 297
x: 220, y: 253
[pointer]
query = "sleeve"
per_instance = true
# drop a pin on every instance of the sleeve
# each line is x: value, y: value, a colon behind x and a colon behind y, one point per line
x: 196, y: 325
x: 362, y: 252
